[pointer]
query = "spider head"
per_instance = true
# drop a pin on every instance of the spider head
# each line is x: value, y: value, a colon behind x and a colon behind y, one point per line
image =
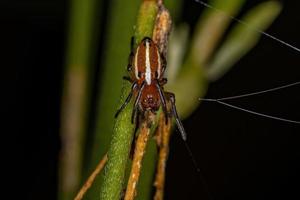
x: 150, y: 99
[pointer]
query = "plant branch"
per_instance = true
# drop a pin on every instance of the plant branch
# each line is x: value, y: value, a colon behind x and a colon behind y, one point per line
x: 123, y: 129
x: 91, y: 178
x: 163, y: 138
x: 76, y: 94
x: 139, y: 152
x: 162, y: 29
x: 121, y: 15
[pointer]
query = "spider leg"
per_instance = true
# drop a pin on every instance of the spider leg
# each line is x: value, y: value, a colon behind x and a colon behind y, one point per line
x: 133, y: 87
x: 131, y: 55
x: 132, y: 40
x: 127, y: 78
x: 163, y: 100
x: 136, y: 103
x: 175, y: 114
x: 164, y: 62
x: 130, y: 58
x: 163, y: 81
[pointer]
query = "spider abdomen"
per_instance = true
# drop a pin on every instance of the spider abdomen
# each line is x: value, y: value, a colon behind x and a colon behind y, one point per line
x: 147, y: 62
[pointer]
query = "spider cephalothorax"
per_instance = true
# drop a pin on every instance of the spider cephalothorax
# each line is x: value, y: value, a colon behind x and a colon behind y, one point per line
x: 146, y: 68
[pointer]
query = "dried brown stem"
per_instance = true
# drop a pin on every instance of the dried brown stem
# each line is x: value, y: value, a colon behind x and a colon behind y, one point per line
x: 139, y: 152
x: 91, y: 179
x: 160, y: 2
x: 162, y: 29
x: 163, y: 139
x: 161, y: 34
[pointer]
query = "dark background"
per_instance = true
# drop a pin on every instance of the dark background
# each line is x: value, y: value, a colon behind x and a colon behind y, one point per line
x: 241, y: 156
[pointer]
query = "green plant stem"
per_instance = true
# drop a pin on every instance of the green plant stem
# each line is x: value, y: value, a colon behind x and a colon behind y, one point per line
x: 146, y: 20
x: 75, y: 94
x: 123, y: 130
x: 120, y: 22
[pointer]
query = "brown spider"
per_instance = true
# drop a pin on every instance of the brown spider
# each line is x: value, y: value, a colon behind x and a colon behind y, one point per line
x: 146, y: 68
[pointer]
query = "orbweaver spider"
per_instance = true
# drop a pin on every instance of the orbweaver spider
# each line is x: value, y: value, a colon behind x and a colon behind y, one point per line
x: 146, y: 68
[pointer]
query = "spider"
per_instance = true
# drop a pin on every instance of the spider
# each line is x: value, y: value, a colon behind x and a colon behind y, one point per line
x: 146, y: 68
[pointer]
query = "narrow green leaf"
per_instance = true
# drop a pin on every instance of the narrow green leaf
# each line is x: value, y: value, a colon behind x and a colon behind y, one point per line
x: 191, y: 81
x: 177, y: 47
x: 243, y: 38
x: 80, y: 55
x: 211, y: 27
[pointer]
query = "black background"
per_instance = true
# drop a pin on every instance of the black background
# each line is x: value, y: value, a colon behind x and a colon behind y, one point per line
x: 241, y: 156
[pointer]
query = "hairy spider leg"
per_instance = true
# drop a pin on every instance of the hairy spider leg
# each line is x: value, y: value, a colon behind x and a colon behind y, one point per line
x: 163, y: 101
x: 163, y: 63
x: 133, y: 87
x: 127, y: 78
x: 131, y: 55
x: 136, y: 103
x: 171, y: 96
x: 132, y: 40
x: 162, y: 81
